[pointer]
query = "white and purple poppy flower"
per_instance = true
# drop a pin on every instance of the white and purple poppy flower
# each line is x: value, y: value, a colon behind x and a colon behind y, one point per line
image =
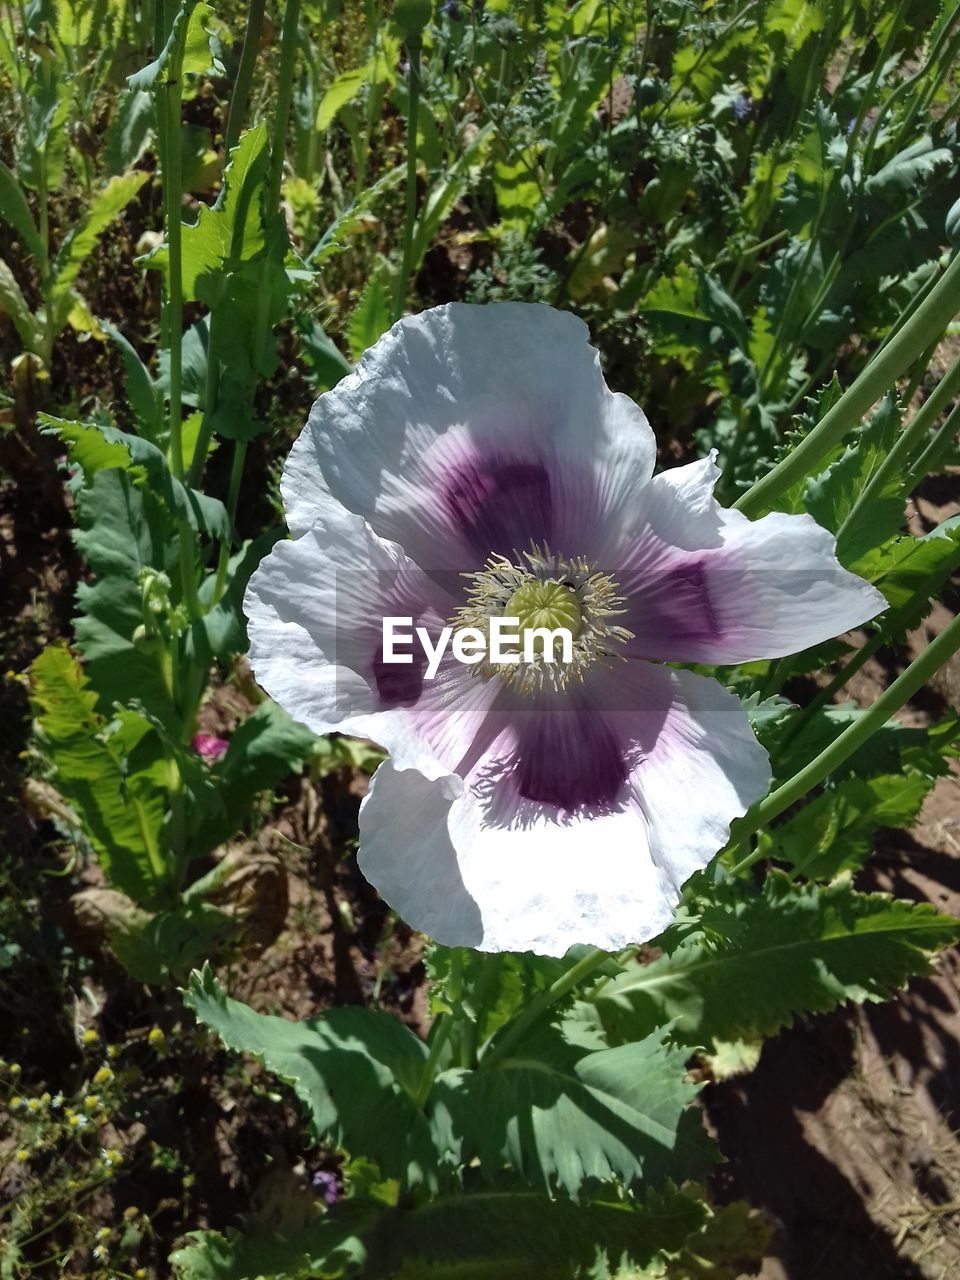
x: 476, y: 465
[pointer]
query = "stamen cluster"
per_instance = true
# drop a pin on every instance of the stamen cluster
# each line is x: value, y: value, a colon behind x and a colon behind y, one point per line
x: 495, y: 590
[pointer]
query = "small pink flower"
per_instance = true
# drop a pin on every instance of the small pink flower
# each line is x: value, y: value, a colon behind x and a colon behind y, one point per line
x: 209, y: 747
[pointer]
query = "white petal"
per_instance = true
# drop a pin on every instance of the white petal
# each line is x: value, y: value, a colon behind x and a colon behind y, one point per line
x: 448, y: 860
x: 705, y: 584
x: 468, y: 430
x: 315, y: 608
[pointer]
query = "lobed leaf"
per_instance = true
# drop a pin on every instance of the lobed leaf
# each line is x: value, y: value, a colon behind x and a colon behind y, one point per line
x: 562, y: 1115
x: 354, y: 1069
x: 113, y: 774
x: 760, y: 960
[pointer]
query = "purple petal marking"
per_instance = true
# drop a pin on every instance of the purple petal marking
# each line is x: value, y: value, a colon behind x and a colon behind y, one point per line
x: 571, y: 764
x: 500, y: 504
x: 673, y: 607
x: 399, y: 684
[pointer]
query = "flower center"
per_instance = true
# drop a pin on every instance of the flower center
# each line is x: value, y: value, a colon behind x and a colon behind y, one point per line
x: 547, y: 592
x: 546, y: 603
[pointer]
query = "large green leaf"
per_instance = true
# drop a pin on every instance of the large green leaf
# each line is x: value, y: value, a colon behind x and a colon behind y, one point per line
x: 97, y: 447
x: 910, y: 570
x: 762, y: 958
x: 14, y: 304
x: 371, y: 317
x: 142, y: 391
x: 501, y: 1234
x: 354, y: 1069
x: 123, y: 533
x: 561, y: 1114
x: 113, y: 774
x: 908, y: 172
x: 523, y: 1235
x: 130, y: 129
x: 228, y: 233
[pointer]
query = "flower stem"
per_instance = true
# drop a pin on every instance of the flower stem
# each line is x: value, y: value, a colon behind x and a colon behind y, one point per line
x: 874, y: 718
x: 926, y: 324
x: 170, y: 115
x: 414, y: 46
x: 241, y: 86
x: 517, y: 1029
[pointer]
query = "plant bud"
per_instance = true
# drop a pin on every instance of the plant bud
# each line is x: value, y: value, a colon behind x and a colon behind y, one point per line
x: 411, y: 16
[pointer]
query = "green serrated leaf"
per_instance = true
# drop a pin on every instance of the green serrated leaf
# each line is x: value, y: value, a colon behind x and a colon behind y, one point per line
x: 354, y: 1069
x: 910, y: 570
x: 112, y: 773
x: 618, y: 1112
x: 834, y: 831
x: 142, y: 391
x: 228, y: 233
x: 521, y: 1235
x: 323, y: 1250
x: 14, y: 304
x: 761, y: 959
x: 130, y: 130
x: 98, y: 447
x: 121, y: 531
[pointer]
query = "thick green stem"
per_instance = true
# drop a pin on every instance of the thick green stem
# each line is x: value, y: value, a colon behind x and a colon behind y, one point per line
x: 241, y: 86
x: 514, y: 1032
x: 414, y: 46
x: 288, y: 57
x: 170, y: 114
x: 874, y: 717
x: 926, y: 324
